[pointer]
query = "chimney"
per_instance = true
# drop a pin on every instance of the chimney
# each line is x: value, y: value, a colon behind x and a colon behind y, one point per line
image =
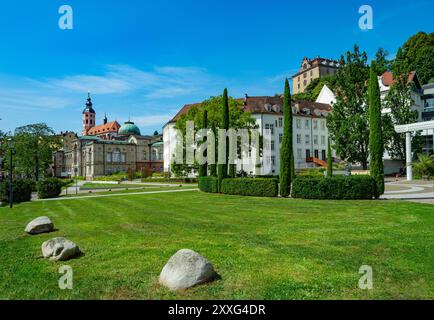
x: 245, y: 99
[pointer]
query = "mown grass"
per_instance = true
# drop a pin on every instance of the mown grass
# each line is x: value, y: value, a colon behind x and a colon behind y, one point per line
x: 262, y: 248
x: 93, y: 192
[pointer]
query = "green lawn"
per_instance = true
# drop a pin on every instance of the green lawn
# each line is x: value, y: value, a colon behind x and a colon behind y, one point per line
x: 96, y: 186
x: 93, y: 192
x: 262, y: 248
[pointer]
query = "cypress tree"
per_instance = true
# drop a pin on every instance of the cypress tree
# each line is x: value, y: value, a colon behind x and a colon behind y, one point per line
x: 213, y: 167
x: 203, y: 168
x: 223, y: 167
x: 376, y: 148
x: 286, y: 150
x: 329, y: 160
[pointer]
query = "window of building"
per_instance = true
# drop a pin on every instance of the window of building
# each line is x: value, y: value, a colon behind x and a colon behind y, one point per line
x: 272, y: 145
x: 315, y: 139
x: 323, y: 140
x: 298, y: 123
x: 116, y: 156
x: 322, y: 125
x: 298, y: 138
x: 280, y: 137
x: 280, y: 122
x: 305, y: 75
x: 305, y: 83
x: 307, y: 139
x: 109, y: 157
x: 315, y: 124
x: 299, y: 153
x: 306, y: 124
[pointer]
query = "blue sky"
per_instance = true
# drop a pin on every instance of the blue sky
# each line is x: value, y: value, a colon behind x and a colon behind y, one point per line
x: 146, y: 59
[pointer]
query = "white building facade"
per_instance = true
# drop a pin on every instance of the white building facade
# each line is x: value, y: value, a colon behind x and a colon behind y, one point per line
x: 310, y: 134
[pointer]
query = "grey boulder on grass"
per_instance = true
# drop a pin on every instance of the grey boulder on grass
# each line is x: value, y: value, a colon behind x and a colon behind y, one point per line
x: 186, y: 269
x: 60, y: 249
x: 39, y: 225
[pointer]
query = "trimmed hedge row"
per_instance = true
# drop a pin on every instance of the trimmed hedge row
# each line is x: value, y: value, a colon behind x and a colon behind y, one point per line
x: 258, y: 187
x: 208, y: 184
x: 49, y: 188
x: 171, y: 180
x: 22, y: 190
x: 334, y: 188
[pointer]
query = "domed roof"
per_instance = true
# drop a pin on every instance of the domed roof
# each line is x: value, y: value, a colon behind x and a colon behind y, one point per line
x: 89, y: 105
x: 129, y: 128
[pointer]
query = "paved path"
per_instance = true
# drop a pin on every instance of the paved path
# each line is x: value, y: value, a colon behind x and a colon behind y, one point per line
x: 116, y: 195
x: 419, y: 191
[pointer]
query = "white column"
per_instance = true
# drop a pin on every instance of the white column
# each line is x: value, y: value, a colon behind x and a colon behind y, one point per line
x: 408, y: 156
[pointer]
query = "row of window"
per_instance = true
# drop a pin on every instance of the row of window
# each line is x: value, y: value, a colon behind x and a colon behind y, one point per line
x: 315, y: 123
x: 307, y: 124
x: 116, y: 157
x: 317, y: 154
x: 315, y: 139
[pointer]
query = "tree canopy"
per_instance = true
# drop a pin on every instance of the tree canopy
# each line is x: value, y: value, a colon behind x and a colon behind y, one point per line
x: 348, y: 122
x: 417, y: 54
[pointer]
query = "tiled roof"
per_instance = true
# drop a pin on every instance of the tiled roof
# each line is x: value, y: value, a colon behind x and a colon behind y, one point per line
x: 270, y: 105
x: 388, y: 80
x: 104, y: 128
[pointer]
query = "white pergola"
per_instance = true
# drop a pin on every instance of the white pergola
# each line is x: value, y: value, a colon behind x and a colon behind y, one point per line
x: 408, y: 129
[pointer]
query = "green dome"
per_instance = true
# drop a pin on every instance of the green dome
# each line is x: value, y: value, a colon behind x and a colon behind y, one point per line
x: 129, y: 128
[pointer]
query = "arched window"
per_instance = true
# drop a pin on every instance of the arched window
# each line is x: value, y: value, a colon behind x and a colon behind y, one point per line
x: 116, y: 157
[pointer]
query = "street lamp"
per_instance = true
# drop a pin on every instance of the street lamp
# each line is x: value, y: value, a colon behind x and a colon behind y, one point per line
x: 76, y: 180
x: 11, y: 145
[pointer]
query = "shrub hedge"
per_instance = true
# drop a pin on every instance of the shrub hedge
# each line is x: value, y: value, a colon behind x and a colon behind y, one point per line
x: 171, y: 180
x: 336, y: 187
x: 49, y: 188
x: 258, y: 187
x: 22, y: 190
x: 208, y: 184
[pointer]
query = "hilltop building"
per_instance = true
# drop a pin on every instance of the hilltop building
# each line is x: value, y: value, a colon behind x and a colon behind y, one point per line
x: 312, y: 69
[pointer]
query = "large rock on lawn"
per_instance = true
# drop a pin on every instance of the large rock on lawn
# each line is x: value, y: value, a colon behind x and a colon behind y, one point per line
x: 40, y: 225
x: 185, y: 269
x: 60, y: 249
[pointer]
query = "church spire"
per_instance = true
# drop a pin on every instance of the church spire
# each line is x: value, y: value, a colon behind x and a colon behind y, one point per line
x: 105, y: 118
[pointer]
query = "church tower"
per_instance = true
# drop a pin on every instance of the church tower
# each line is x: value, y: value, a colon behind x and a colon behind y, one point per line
x: 88, y: 116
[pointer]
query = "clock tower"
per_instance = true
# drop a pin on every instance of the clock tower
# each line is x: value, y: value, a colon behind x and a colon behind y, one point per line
x: 88, y: 116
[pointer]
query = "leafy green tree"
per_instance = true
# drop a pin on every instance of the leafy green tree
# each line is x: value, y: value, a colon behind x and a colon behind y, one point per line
x: 203, y: 168
x: 314, y: 88
x: 329, y: 160
x: 400, y: 102
x: 222, y: 168
x: 417, y: 54
x: 376, y: 148
x: 238, y: 119
x: 286, y: 148
x: 348, y: 122
x: 34, y: 145
x: 382, y: 64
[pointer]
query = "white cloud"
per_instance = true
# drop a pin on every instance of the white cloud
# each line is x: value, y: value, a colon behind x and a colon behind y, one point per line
x: 152, y: 120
